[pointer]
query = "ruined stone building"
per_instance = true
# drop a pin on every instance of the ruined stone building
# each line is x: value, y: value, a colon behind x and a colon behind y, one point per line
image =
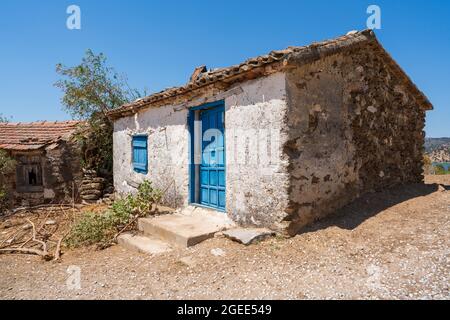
x: 47, y: 162
x: 279, y: 140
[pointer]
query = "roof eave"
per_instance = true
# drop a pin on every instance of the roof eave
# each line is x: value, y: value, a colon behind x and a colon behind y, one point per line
x: 281, y: 61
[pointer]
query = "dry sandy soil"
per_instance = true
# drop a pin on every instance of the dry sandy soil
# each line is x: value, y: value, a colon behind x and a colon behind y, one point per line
x: 388, y: 245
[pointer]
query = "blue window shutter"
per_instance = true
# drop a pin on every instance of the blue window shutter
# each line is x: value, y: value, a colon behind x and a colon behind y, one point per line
x: 140, y: 152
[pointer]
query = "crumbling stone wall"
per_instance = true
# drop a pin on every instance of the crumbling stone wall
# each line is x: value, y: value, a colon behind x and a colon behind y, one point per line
x: 353, y: 128
x: 8, y: 183
x: 61, y: 176
x: 62, y: 172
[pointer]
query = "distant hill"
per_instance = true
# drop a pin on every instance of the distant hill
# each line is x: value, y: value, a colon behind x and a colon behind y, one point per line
x: 438, y: 149
x: 435, y: 143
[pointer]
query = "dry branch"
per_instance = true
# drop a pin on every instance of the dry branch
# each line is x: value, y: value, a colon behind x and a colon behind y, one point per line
x: 57, y: 254
x: 44, y: 245
x: 42, y: 206
x: 40, y: 253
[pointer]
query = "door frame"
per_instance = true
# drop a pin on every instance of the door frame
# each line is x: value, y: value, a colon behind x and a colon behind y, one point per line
x: 194, y: 182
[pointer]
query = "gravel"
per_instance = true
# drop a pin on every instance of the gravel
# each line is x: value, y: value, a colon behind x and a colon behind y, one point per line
x: 388, y: 245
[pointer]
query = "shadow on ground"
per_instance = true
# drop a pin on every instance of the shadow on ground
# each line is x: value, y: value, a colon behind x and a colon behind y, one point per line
x: 369, y: 205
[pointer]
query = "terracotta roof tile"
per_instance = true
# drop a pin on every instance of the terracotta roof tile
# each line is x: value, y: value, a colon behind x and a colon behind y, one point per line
x: 34, y: 135
x: 304, y: 54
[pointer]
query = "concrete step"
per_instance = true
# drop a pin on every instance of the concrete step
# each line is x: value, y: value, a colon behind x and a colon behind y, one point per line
x: 185, y: 230
x: 143, y: 244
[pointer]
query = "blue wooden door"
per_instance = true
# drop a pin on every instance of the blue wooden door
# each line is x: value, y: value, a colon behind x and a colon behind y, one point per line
x: 212, y: 168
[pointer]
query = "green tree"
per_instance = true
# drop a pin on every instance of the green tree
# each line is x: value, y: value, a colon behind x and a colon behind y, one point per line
x: 440, y: 169
x: 3, y: 118
x: 91, y: 89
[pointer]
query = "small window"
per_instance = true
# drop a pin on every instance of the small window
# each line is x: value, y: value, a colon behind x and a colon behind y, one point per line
x: 140, y: 152
x: 29, y: 174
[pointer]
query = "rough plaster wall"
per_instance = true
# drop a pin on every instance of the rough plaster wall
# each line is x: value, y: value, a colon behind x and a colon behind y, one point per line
x: 257, y: 178
x: 256, y: 174
x: 167, y: 153
x: 352, y: 129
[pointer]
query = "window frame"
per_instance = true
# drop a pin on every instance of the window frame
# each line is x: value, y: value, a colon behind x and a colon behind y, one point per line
x: 139, y: 167
x: 25, y: 162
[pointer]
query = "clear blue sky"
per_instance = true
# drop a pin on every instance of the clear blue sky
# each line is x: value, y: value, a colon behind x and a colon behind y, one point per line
x: 158, y: 43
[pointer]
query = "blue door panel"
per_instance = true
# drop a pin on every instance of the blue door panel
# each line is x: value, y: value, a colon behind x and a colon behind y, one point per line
x: 213, y: 197
x: 204, y: 178
x: 221, y: 178
x: 222, y: 198
x: 212, y: 169
x: 204, y: 196
x: 213, y: 178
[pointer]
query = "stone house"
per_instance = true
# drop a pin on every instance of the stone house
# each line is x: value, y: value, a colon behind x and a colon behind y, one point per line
x: 279, y: 140
x: 48, y: 166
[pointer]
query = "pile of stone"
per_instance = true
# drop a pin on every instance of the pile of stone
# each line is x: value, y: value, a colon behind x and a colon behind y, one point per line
x: 92, y: 187
x: 108, y: 194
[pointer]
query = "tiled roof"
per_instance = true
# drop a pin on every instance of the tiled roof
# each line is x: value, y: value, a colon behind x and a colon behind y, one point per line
x: 263, y: 65
x: 34, y: 135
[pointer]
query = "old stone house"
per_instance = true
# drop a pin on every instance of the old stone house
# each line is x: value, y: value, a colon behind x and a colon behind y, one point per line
x: 48, y: 166
x: 279, y: 140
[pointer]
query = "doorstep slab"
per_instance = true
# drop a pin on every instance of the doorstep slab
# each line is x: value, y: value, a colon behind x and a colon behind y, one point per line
x: 142, y: 244
x: 248, y: 236
x: 183, y: 230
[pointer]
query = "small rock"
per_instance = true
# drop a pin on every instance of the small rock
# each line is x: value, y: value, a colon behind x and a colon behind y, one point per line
x: 188, y: 261
x: 27, y: 227
x: 372, y: 109
x: 218, y: 252
x: 50, y: 222
x: 248, y: 236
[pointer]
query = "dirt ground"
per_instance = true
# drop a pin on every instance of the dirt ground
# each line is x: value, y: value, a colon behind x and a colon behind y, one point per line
x: 388, y: 245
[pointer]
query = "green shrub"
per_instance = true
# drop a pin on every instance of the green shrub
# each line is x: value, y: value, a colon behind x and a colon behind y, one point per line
x: 101, y: 228
x: 440, y: 170
x: 7, y: 166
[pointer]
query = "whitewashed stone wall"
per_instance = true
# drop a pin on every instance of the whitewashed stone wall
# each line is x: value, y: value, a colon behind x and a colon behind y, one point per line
x: 256, y: 171
x: 167, y: 152
x: 257, y: 179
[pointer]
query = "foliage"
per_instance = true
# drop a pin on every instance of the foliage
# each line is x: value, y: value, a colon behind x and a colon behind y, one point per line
x: 101, y: 228
x: 7, y: 166
x: 427, y: 165
x: 426, y: 160
x: 440, y: 170
x: 91, y: 89
x: 96, y: 144
x: 3, y: 118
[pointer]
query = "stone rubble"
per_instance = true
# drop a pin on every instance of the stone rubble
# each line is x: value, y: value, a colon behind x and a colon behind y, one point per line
x: 94, y: 188
x: 248, y: 236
